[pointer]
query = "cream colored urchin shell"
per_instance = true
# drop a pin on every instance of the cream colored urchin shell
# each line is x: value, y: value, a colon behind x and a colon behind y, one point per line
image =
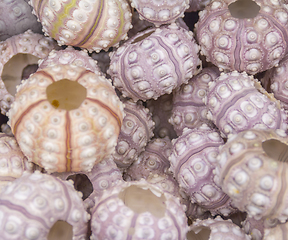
x: 16, y: 53
x: 62, y: 135
x: 90, y: 24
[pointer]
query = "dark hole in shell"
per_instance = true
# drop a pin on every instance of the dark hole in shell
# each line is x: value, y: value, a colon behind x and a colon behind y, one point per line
x: 276, y: 150
x: 61, y: 230
x: 202, y: 234
x: 82, y: 184
x: 28, y: 70
x: 244, y: 9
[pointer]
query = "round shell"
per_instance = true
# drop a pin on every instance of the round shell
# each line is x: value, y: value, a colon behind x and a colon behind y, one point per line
x: 251, y: 168
x: 62, y: 132
x: 17, y: 53
x: 94, y: 25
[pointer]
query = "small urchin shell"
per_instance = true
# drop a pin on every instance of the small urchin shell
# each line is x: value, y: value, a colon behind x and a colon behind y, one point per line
x: 33, y: 203
x: 237, y: 102
x: 193, y: 160
x: 138, y: 210
x: 251, y: 168
x: 160, y: 13
x: 247, y: 43
x: 94, y: 25
x: 69, y: 132
x: 154, y: 62
x: 17, y: 52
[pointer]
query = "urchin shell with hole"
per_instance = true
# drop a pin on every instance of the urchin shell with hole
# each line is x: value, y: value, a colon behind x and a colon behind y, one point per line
x: 39, y: 206
x: 252, y: 170
x: 66, y: 118
x: 19, y: 58
x: 138, y: 210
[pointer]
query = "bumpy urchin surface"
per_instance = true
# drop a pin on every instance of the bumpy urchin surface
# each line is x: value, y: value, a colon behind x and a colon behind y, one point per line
x: 136, y: 131
x: 154, y: 62
x: 16, y: 17
x: 237, y: 102
x: 69, y: 132
x: 33, y: 203
x: 253, y: 41
x: 189, y: 109
x: 278, y: 232
x: 159, y: 13
x: 193, y: 160
x: 214, y: 229
x: 91, y: 24
x: 18, y: 53
x: 251, y: 168
x: 138, y: 210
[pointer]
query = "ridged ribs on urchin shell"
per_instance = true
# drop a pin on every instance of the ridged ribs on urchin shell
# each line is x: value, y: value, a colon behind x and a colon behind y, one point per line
x: 193, y: 160
x: 19, y: 53
x: 70, y: 130
x: 138, y: 210
x: 237, y: 102
x: 136, y: 131
x: 93, y: 25
x: 39, y: 206
x: 159, y: 14
x: 243, y: 35
x: 252, y: 170
x: 154, y: 62
x: 188, y: 107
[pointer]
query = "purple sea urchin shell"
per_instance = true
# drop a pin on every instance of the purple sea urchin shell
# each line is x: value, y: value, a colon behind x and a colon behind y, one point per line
x: 94, y: 25
x: 33, y: 203
x: 237, y: 102
x: 252, y: 43
x: 16, y: 53
x: 154, y: 62
x: 69, y: 130
x: 251, y: 168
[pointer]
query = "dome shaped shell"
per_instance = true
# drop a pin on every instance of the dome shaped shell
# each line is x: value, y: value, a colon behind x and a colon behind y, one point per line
x: 34, y: 202
x: 16, y: 18
x: 251, y: 168
x: 91, y: 24
x: 250, y: 44
x: 154, y: 62
x: 27, y: 48
x: 278, y: 232
x: 188, y: 107
x: 159, y: 13
x: 236, y: 102
x: 114, y: 214
x: 60, y: 139
x: 136, y: 131
x: 193, y: 160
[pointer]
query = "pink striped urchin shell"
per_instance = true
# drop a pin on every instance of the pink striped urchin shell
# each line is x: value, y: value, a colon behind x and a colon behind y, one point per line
x: 36, y: 203
x: 17, y: 53
x: 12, y: 161
x: 16, y: 17
x: 69, y: 130
x: 138, y: 210
x: 136, y: 131
x: 90, y: 24
x: 237, y: 102
x: 214, y: 229
x: 252, y: 42
x: 188, y: 107
x: 160, y: 12
x: 251, y: 168
x: 154, y: 62
x: 193, y: 160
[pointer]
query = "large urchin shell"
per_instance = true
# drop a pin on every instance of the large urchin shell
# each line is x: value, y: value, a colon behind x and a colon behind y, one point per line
x: 154, y: 62
x: 237, y: 102
x: 160, y: 13
x: 252, y: 43
x: 192, y: 161
x: 68, y: 137
x: 17, y: 52
x: 251, y: 169
x: 94, y: 25
x: 33, y: 203
x: 138, y: 210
